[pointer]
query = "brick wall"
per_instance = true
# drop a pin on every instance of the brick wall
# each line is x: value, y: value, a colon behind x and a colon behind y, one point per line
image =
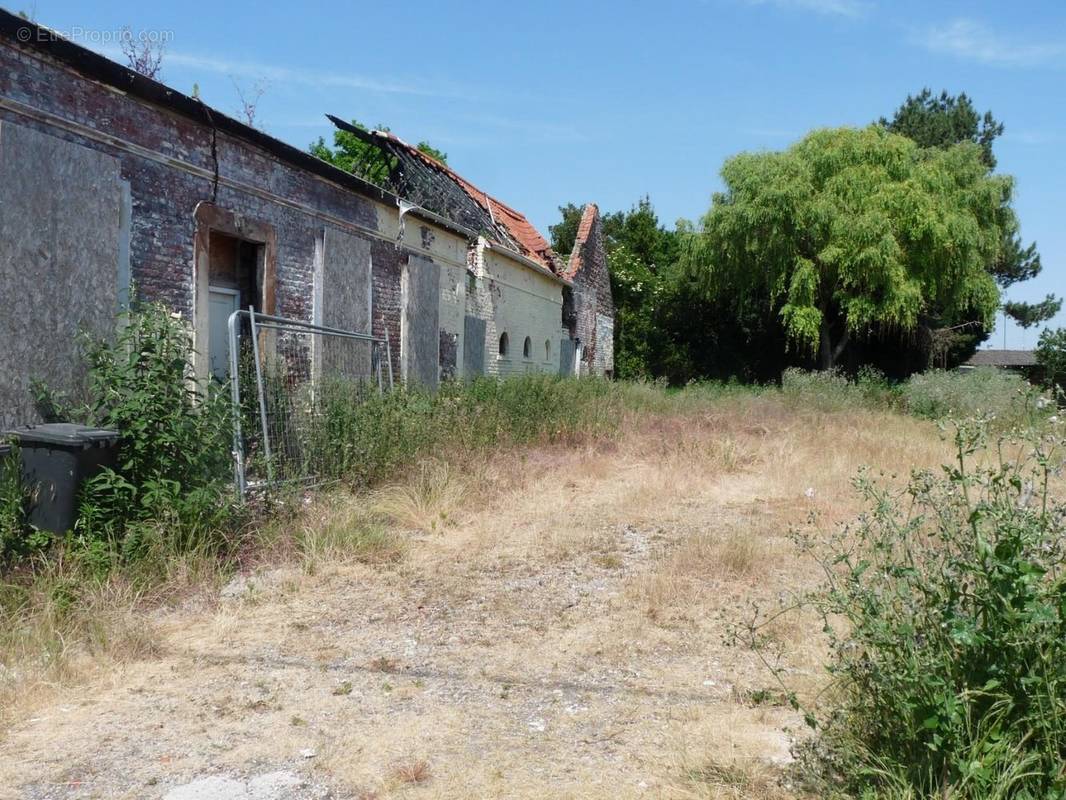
x: 177, y: 173
x: 593, y: 303
x: 173, y: 163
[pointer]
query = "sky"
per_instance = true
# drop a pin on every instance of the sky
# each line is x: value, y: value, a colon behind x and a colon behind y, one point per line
x: 545, y: 103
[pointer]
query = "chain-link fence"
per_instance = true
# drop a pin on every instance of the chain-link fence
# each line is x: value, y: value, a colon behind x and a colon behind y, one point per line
x: 296, y: 387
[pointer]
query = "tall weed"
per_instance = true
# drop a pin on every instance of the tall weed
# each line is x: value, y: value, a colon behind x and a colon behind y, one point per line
x: 366, y: 437
x: 945, y: 612
x: 173, y: 467
x: 13, y: 536
x: 1006, y: 398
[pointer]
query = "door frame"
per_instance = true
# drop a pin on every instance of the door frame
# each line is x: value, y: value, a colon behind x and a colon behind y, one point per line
x: 210, y: 217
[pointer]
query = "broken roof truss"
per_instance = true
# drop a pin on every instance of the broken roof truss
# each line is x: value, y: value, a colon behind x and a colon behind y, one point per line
x: 408, y: 173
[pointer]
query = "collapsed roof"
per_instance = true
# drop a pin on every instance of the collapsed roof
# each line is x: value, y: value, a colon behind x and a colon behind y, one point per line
x: 421, y: 179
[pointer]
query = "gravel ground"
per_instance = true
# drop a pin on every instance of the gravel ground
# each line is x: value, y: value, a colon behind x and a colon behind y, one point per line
x: 564, y: 638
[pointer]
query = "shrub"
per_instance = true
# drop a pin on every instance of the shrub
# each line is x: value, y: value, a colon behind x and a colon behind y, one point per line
x: 173, y: 465
x: 13, y: 539
x: 945, y: 608
x: 1051, y: 355
x: 831, y: 390
x: 1005, y: 397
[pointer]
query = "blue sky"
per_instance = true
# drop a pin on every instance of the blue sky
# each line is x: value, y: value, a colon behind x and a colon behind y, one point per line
x: 547, y: 103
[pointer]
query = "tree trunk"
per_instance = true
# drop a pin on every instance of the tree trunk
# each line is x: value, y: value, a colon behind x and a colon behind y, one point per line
x: 825, y: 346
x: 828, y: 353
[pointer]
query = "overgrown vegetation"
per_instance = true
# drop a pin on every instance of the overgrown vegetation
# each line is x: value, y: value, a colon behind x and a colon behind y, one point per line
x: 1005, y: 399
x: 976, y: 562
x: 12, y: 526
x: 1051, y: 355
x: 945, y: 612
x: 362, y: 438
x: 943, y: 608
x: 172, y: 479
x: 353, y: 155
x: 163, y: 522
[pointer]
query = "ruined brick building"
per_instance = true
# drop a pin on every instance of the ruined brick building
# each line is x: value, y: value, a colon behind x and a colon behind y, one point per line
x: 109, y: 179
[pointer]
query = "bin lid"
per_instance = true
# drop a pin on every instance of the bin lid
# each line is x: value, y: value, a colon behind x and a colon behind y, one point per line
x: 66, y: 434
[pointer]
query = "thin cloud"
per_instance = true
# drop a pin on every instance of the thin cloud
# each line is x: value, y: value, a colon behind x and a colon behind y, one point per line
x: 833, y: 8
x: 973, y: 41
x: 468, y: 130
x: 294, y: 76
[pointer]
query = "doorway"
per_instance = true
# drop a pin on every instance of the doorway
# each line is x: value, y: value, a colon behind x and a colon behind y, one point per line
x: 235, y: 269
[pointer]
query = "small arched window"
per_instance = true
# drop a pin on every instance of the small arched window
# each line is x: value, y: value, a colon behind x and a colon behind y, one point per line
x: 503, y: 343
x: 547, y: 349
x: 527, y: 348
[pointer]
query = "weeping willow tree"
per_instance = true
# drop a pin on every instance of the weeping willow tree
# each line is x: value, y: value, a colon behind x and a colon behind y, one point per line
x: 853, y: 230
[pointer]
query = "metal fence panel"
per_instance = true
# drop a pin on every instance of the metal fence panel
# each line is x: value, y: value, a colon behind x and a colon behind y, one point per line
x: 295, y: 390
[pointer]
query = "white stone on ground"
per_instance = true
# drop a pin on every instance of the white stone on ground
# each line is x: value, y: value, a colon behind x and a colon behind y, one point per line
x: 280, y: 785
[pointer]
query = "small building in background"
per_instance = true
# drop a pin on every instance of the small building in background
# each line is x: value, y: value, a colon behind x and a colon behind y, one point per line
x: 1021, y: 361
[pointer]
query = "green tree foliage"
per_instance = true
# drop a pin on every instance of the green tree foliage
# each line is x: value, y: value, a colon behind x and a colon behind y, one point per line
x: 1051, y: 355
x: 852, y: 230
x: 353, y: 155
x: 664, y: 328
x: 1029, y: 314
x: 639, y: 230
x: 564, y: 234
x: 641, y: 254
x: 946, y: 120
x: 637, y: 291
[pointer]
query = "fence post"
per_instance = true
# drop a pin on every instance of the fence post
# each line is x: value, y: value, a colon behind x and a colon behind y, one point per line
x: 235, y: 396
x: 262, y: 396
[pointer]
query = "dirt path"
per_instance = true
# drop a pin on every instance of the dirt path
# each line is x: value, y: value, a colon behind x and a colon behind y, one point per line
x: 563, y: 639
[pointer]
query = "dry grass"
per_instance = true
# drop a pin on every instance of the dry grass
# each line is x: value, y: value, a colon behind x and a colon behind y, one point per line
x: 412, y: 772
x: 340, y: 529
x: 428, y: 501
x: 738, y: 780
x: 701, y: 563
x: 565, y: 638
x: 61, y: 630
